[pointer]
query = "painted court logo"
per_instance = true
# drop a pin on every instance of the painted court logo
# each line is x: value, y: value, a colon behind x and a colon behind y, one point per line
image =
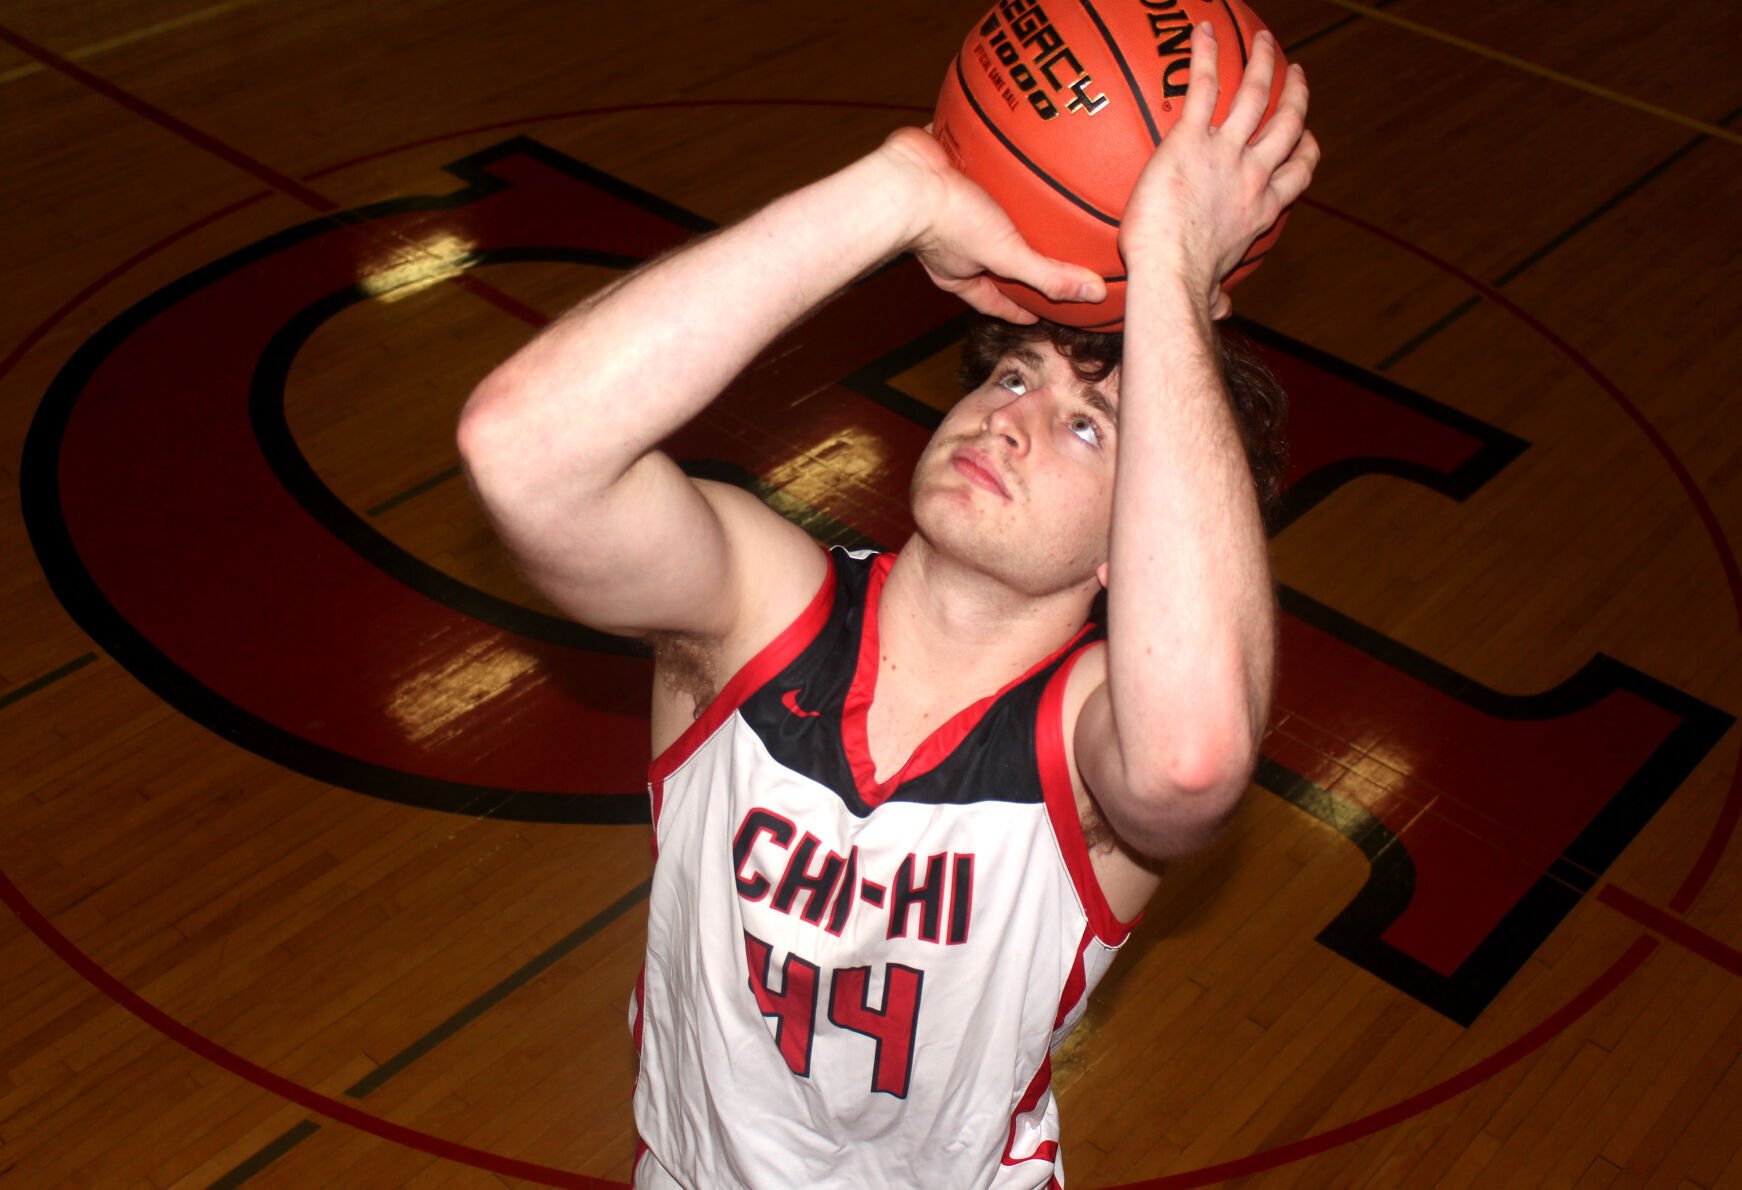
x: 181, y: 525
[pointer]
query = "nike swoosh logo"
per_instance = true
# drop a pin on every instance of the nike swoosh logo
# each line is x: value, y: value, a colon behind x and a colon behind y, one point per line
x: 790, y: 698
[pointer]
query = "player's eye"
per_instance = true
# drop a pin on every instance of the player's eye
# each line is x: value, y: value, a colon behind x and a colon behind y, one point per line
x: 1086, y: 428
x: 1014, y: 382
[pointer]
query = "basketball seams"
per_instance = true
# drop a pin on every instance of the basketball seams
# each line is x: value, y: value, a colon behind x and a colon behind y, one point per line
x: 991, y: 126
x: 1239, y: 35
x: 1125, y: 69
x: 1096, y: 156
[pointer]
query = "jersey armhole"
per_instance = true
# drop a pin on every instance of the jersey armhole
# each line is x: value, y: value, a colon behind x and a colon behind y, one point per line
x: 773, y: 657
x: 1061, y: 808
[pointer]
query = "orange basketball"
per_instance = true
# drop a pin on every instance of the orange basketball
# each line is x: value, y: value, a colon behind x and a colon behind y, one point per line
x: 1055, y: 110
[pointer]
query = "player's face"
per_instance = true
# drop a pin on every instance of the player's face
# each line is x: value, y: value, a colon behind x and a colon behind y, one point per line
x: 1018, y: 480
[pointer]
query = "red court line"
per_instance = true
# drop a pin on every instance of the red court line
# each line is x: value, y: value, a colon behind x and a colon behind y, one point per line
x: 314, y: 1101
x: 1714, y: 849
x: 1471, y: 1076
x: 1464, y: 1080
x: 512, y: 306
x: 1388, y: 1117
x: 78, y: 299
x: 163, y: 119
x: 1722, y: 830
x: 1672, y: 927
x: 613, y: 109
x: 283, y: 183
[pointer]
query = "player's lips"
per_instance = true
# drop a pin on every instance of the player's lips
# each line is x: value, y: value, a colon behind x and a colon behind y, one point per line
x: 979, y: 470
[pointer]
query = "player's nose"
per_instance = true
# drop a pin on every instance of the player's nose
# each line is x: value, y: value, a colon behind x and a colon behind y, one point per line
x: 1011, y: 421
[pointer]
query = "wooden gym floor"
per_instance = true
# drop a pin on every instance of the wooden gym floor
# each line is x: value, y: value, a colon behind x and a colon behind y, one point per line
x: 323, y: 841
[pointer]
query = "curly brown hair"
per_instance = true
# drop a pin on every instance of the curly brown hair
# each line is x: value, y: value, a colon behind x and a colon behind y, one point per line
x: 1259, y: 404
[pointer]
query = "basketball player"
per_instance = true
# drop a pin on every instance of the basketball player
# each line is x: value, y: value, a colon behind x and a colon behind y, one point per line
x: 874, y: 907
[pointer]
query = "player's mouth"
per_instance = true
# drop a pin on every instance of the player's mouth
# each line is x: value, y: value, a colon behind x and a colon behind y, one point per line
x: 979, y: 470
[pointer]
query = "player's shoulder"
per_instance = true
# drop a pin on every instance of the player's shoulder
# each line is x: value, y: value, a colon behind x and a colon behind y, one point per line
x: 1088, y: 673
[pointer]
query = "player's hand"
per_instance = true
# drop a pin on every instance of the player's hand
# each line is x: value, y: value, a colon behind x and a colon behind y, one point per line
x: 963, y: 237
x: 1209, y: 192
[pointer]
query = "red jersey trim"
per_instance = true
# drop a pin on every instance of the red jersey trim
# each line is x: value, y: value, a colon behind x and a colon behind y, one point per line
x: 1075, y: 982
x: 775, y: 656
x: 640, y: 1005
x: 1061, y: 809
x: 856, y: 711
x: 1047, y: 1150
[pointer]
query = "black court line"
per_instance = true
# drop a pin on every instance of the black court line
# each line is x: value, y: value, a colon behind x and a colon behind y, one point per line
x: 415, y: 490
x: 45, y: 681
x: 1614, y: 200
x: 1513, y: 273
x: 1300, y: 43
x: 267, y: 1156
x: 442, y: 1032
x: 1409, y: 348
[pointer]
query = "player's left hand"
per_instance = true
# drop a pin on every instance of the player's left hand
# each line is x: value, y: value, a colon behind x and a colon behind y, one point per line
x: 1209, y: 190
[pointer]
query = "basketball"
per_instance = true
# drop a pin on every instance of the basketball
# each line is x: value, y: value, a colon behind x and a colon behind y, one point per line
x: 1055, y: 110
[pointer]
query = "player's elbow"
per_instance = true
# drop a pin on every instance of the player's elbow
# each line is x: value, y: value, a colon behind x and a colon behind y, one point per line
x: 478, y: 434
x: 486, y: 431
x: 513, y: 461
x: 1216, y: 770
x: 1182, y: 807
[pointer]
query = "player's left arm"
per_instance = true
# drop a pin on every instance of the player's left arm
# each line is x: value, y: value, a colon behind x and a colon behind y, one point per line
x: 1166, y: 745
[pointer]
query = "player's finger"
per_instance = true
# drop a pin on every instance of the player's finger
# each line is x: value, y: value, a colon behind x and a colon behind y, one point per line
x: 1293, y: 176
x: 980, y: 293
x: 1073, y: 283
x: 987, y: 298
x: 1201, y: 84
x: 1254, y: 93
x: 1057, y: 279
x: 1281, y: 135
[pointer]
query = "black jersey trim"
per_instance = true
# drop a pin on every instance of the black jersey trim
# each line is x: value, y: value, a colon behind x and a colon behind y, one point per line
x: 798, y: 715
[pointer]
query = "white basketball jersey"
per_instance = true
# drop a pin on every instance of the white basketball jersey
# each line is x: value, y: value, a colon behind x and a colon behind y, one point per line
x: 852, y: 982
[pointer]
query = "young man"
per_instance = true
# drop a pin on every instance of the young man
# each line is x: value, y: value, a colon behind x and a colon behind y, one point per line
x: 874, y: 907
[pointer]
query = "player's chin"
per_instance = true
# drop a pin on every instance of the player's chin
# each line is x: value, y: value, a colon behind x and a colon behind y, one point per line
x: 940, y: 510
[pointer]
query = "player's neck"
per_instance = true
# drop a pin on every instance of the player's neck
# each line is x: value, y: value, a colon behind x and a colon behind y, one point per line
x: 969, y: 624
x: 948, y: 636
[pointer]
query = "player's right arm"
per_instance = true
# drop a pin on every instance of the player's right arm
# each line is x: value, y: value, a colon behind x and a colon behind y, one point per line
x: 560, y: 441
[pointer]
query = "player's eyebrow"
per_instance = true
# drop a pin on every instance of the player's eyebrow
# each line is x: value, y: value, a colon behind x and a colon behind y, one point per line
x: 1091, y: 396
x: 1097, y: 400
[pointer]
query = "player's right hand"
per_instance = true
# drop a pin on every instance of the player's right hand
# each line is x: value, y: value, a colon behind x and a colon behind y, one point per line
x: 963, y: 238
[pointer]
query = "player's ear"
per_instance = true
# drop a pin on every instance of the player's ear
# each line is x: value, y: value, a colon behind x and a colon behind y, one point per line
x: 1101, y: 573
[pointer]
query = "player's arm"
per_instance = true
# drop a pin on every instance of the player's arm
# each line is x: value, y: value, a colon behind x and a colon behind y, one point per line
x: 560, y: 441
x: 1168, y: 742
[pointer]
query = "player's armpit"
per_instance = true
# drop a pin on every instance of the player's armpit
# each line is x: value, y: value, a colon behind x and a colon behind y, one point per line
x: 1127, y: 878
